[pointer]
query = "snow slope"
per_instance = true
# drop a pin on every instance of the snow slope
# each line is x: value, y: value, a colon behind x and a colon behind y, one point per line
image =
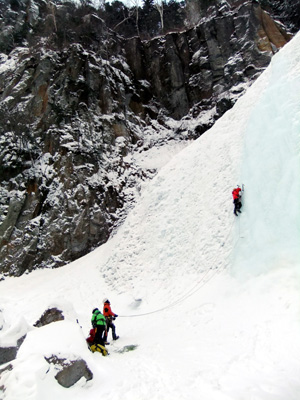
x: 211, y: 301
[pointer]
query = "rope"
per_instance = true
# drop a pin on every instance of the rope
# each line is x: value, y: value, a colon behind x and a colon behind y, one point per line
x: 169, y: 305
x: 242, y: 197
x: 190, y: 292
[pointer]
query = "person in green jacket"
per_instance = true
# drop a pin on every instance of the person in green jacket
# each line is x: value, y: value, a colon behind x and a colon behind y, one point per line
x: 99, y: 323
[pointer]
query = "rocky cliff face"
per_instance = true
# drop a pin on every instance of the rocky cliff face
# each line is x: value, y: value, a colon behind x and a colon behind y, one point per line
x: 209, y: 63
x: 64, y: 136
x: 76, y: 103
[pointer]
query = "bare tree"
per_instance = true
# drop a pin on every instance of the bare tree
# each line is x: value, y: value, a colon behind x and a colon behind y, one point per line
x: 130, y: 14
x: 159, y: 5
x: 136, y: 5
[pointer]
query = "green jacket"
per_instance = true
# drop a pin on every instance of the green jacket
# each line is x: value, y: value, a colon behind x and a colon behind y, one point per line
x: 98, y: 319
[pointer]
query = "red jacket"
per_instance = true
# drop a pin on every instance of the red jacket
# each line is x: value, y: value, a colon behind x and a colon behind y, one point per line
x: 236, y: 193
x: 91, y: 338
x: 107, y: 310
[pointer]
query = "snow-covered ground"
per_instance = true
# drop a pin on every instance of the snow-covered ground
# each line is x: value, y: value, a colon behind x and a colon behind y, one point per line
x: 211, y: 301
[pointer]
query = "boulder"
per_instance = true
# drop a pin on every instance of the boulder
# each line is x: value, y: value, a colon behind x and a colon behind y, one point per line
x: 71, y: 371
x: 49, y: 316
x: 10, y: 353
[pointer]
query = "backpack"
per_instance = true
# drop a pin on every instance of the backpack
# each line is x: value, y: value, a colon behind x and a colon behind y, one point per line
x: 100, y: 348
x: 91, y: 338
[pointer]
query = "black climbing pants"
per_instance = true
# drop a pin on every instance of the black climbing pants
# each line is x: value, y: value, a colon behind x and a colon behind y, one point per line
x: 100, y: 334
x: 110, y: 324
x: 237, y: 205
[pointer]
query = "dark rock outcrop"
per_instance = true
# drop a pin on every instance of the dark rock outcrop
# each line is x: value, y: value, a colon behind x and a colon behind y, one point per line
x: 10, y: 353
x: 62, y: 168
x: 287, y: 12
x: 198, y: 68
x: 49, y: 316
x: 70, y: 371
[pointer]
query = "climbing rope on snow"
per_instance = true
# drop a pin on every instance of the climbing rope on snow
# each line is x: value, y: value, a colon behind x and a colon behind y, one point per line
x: 183, y: 297
x: 202, y: 282
x: 243, y: 189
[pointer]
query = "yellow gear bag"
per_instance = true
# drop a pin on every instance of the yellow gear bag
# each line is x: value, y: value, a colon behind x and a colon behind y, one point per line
x: 100, y: 348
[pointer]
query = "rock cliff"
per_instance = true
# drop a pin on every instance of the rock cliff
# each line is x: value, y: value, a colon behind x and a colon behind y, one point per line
x: 208, y: 64
x: 76, y: 99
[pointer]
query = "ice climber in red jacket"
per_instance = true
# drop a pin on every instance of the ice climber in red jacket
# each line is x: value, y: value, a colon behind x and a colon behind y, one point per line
x: 236, y: 194
x: 110, y: 317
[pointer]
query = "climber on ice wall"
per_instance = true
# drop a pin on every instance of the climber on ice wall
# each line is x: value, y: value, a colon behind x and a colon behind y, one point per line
x: 237, y: 195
